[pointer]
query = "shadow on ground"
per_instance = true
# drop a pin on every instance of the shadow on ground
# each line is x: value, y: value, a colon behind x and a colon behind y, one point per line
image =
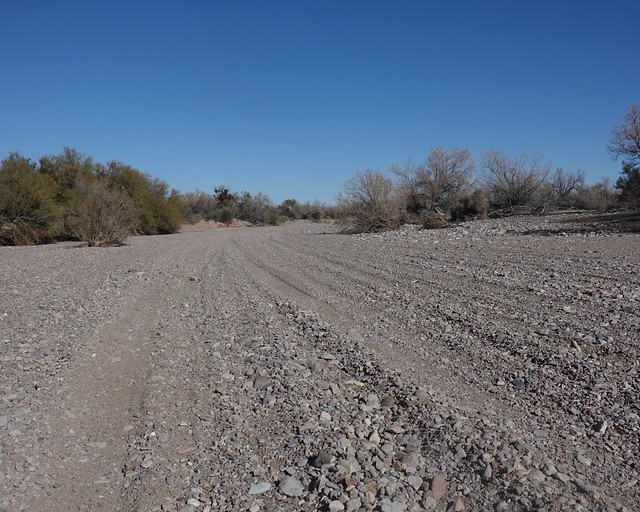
x: 619, y: 222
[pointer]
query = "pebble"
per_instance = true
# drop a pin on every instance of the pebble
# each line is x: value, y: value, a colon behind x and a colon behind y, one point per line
x: 290, y: 486
x: 260, y: 488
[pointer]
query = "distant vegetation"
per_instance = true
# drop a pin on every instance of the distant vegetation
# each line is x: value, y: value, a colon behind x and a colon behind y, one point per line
x: 71, y: 197
x: 446, y: 188
x: 224, y: 206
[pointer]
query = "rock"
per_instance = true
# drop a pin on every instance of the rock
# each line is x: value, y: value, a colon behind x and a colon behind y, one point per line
x: 387, y: 505
x: 263, y: 382
x: 336, y: 506
x: 323, y: 457
x: 260, y: 488
x: 438, y: 487
x: 290, y: 486
x: 415, y: 482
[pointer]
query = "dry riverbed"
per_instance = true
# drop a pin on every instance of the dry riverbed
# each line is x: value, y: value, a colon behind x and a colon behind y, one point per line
x: 491, y: 366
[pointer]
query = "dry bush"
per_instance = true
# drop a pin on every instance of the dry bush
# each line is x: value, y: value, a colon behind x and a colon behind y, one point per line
x: 105, y: 217
x: 371, y: 202
x: 436, y: 182
x: 19, y: 233
x: 470, y: 206
x: 512, y: 184
x: 434, y: 220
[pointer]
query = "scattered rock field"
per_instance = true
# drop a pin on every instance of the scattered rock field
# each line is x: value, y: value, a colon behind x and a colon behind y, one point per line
x: 489, y: 366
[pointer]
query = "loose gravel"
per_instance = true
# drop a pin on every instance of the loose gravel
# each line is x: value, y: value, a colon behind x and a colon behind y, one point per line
x: 490, y: 366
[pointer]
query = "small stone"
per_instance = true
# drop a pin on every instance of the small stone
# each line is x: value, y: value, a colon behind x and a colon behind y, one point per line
x: 456, y: 506
x: 601, y: 427
x: 583, y: 460
x: 336, y: 506
x: 412, y: 459
x: 584, y: 487
x: 438, y: 487
x: 415, y: 482
x: 487, y: 474
x: 290, y: 487
x: 262, y: 382
x: 353, y: 504
x: 392, y: 506
x: 260, y: 488
x: 518, y: 383
x: 192, y: 502
x: 388, y: 401
x: 501, y: 506
x: 421, y: 393
x: 147, y: 463
x: 323, y: 457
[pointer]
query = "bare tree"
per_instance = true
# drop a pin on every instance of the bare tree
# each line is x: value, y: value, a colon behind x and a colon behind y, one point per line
x: 409, y: 185
x: 370, y: 198
x: 512, y: 182
x: 566, y: 184
x: 625, y: 139
x: 446, y: 174
x: 436, y: 183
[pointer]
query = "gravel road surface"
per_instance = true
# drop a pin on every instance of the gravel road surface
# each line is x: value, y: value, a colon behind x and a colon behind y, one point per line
x: 491, y: 366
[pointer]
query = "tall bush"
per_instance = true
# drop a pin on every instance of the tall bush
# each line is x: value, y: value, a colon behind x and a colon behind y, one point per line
x: 104, y: 217
x: 29, y: 213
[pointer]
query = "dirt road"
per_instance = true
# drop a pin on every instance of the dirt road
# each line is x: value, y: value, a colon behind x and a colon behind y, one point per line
x: 490, y: 366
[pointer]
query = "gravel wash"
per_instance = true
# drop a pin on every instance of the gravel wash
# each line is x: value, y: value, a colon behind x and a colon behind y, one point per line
x: 490, y: 366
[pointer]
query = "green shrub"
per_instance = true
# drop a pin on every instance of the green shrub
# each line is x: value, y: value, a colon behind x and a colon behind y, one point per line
x: 29, y: 213
x: 159, y: 211
x: 226, y: 215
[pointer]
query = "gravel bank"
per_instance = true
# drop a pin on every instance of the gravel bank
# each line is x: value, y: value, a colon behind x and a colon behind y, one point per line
x: 492, y: 366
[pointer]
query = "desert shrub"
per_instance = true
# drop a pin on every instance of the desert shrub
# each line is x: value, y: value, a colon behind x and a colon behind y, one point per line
x: 565, y: 186
x: 199, y: 205
x: 370, y: 201
x: 434, y: 220
x: 104, y: 217
x: 470, y: 206
x: 513, y: 184
x: 226, y: 215
x: 194, y: 218
x: 29, y: 212
x: 629, y: 184
x: 160, y: 211
x: 290, y: 208
x: 435, y: 184
x: 256, y: 209
x: 275, y: 219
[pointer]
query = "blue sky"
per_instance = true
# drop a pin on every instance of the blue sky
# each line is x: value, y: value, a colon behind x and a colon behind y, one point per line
x: 291, y: 98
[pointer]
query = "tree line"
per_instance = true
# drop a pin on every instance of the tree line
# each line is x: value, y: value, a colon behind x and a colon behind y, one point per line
x: 445, y: 187
x: 69, y: 196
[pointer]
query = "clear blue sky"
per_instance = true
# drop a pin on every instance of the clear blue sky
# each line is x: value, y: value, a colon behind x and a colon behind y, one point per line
x: 292, y: 97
